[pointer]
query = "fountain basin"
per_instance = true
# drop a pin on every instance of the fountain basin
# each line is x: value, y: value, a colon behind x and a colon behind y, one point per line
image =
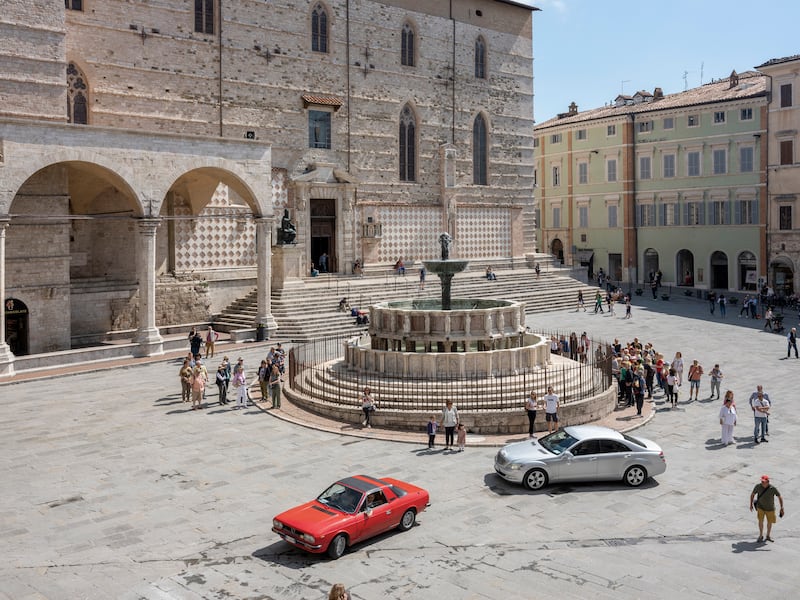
x: 476, y: 337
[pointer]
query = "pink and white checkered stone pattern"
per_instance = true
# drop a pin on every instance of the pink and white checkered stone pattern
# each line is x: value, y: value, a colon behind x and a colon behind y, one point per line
x: 483, y: 232
x: 280, y: 191
x: 222, y: 236
x: 409, y: 231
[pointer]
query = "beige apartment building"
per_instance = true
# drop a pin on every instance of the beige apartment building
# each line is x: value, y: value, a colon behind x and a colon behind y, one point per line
x: 783, y: 172
x: 149, y: 150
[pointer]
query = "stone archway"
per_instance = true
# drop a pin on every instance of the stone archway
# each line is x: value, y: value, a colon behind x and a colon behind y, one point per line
x: 782, y: 275
x: 684, y: 268
x: 557, y: 249
x: 651, y: 265
x: 719, y: 270
x: 748, y: 271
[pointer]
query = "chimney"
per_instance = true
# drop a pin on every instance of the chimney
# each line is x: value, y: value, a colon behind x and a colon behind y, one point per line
x: 733, y: 80
x: 658, y: 94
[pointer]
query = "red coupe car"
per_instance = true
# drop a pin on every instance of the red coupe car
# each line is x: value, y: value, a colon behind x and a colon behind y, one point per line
x: 351, y: 510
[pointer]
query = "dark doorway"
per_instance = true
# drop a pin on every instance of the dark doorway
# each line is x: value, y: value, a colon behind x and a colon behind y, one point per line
x: 719, y: 270
x: 685, y: 268
x: 17, y: 326
x: 323, y: 233
x: 557, y: 249
x: 615, y: 267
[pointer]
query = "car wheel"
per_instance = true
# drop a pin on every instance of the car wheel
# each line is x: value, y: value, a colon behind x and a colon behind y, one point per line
x: 337, y: 546
x: 635, y: 476
x: 535, y: 479
x: 408, y: 520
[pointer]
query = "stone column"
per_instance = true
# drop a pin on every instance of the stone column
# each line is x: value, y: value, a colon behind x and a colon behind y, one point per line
x: 147, y: 336
x: 264, y: 317
x: 6, y: 356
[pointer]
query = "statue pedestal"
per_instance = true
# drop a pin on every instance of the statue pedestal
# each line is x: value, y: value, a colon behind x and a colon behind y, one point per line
x: 288, y: 266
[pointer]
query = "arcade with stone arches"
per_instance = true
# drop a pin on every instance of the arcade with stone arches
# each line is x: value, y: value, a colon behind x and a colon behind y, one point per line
x: 111, y: 230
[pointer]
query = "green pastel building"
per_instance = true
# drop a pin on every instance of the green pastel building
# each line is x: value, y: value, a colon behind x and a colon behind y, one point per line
x: 653, y: 182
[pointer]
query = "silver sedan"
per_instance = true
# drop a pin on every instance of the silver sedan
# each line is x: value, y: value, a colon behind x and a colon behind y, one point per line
x: 580, y: 453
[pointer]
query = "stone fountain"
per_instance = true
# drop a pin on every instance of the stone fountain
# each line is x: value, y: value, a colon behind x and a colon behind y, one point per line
x: 448, y: 339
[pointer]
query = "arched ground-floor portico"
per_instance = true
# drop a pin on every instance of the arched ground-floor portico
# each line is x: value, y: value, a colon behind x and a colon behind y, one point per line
x: 106, y: 229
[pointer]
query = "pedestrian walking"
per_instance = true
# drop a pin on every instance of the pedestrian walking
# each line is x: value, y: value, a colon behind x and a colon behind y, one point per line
x: 531, y: 404
x: 677, y: 364
x: 723, y: 305
x: 338, y: 592
x: 768, y: 316
x: 449, y: 422
x: 275, y: 386
x: 461, y: 437
x: 760, y: 412
x: 195, y: 341
x: 791, y: 338
x: 264, y: 369
x: 716, y: 379
x: 211, y: 339
x: 639, y: 387
x: 654, y: 288
x: 221, y: 379
x: 727, y: 419
x: 198, y: 388
x: 672, y: 392
x: 368, y: 406
x: 762, y: 498
x: 422, y: 274
x: 712, y: 301
x: 432, y: 425
x: 598, y: 303
x: 551, y: 410
x: 240, y: 384
x: 753, y: 397
x: 695, y: 373
x: 628, y: 307
x: 537, y: 269
x: 185, y: 375
x: 581, y: 304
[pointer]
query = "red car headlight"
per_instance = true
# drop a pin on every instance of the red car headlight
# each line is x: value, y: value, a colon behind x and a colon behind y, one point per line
x: 277, y: 524
x: 307, y: 537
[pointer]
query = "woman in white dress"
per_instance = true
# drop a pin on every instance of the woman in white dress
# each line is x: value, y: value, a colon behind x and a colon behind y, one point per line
x: 677, y: 364
x: 727, y: 418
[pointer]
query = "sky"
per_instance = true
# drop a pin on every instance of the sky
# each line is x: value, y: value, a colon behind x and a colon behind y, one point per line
x: 590, y: 51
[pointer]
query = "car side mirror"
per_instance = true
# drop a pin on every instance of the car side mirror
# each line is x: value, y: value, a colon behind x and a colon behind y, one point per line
x: 567, y: 455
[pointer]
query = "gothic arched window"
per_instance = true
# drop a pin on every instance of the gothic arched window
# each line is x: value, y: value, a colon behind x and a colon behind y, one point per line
x: 319, y: 29
x: 408, y: 145
x: 77, y: 96
x: 407, y: 46
x: 480, y: 58
x: 479, y: 157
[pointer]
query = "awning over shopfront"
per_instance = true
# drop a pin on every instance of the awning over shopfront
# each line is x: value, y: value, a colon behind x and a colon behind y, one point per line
x: 584, y: 256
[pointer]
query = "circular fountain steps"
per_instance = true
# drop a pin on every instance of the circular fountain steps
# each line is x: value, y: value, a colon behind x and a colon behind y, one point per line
x: 486, y: 404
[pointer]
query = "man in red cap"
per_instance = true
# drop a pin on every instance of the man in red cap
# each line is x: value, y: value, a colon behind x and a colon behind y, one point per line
x: 763, y: 499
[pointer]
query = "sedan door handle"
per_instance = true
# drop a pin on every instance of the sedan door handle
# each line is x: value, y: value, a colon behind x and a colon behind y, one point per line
x: 388, y: 512
x: 593, y: 459
x: 628, y: 455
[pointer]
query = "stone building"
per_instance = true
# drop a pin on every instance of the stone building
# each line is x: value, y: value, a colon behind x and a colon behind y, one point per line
x: 783, y: 240
x: 146, y: 147
x: 654, y: 181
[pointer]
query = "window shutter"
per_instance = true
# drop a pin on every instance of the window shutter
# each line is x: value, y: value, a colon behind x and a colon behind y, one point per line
x: 737, y: 220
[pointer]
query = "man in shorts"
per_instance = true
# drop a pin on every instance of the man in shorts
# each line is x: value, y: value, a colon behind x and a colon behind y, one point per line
x: 763, y: 500
x: 551, y: 410
x: 695, y: 373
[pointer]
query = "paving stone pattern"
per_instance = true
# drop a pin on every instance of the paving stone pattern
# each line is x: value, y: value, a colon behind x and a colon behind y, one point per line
x: 112, y: 488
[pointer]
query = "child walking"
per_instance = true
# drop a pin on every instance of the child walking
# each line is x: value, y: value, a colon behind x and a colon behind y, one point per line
x: 432, y: 431
x: 461, y: 437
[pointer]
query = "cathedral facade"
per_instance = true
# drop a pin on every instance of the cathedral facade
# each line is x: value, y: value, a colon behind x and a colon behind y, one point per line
x: 149, y: 149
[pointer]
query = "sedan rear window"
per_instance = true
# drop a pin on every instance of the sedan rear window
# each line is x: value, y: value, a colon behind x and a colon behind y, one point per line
x: 632, y: 439
x: 558, y: 442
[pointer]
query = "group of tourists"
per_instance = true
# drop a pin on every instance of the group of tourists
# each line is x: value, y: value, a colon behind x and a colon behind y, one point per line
x: 195, y: 379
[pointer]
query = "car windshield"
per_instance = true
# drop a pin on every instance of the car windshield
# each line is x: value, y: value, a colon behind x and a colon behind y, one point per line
x: 558, y: 441
x: 341, y: 498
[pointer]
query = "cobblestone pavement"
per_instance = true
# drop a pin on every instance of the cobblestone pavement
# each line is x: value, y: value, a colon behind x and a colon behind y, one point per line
x: 112, y: 488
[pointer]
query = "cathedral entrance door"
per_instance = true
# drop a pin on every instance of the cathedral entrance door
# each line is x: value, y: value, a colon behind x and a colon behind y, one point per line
x: 323, y: 233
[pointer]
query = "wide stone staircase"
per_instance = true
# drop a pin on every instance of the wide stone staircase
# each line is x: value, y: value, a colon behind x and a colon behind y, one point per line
x: 308, y: 309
